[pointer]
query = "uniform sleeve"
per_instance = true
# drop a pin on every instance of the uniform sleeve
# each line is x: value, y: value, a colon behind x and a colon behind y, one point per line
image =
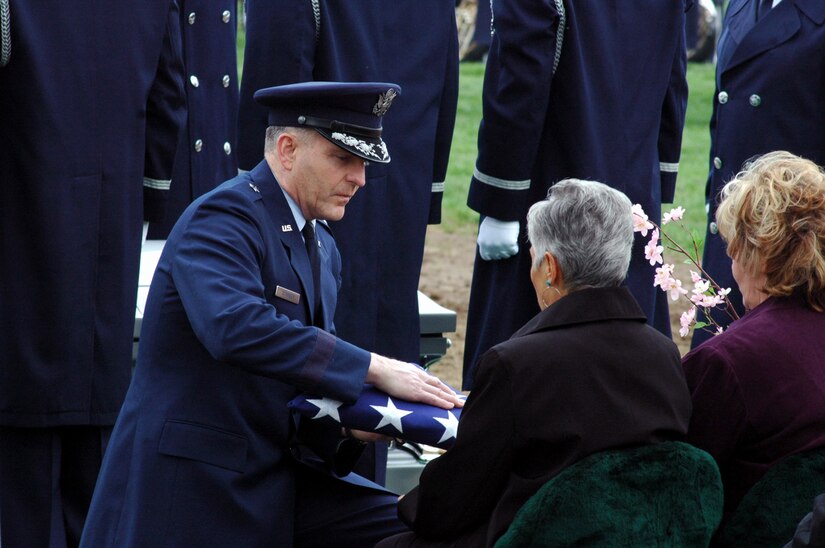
x: 217, y: 272
x: 673, y: 120
x: 459, y: 490
x: 165, y: 116
x: 719, y: 414
x: 445, y: 127
x: 528, y: 38
x: 280, y: 49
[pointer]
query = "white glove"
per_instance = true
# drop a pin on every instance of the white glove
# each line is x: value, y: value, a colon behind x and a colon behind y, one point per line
x: 497, y: 239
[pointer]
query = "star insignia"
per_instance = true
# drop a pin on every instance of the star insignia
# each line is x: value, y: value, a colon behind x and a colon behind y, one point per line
x: 390, y: 415
x: 326, y: 408
x: 450, y: 425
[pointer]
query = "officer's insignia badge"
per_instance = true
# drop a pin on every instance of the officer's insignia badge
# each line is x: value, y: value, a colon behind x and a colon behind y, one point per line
x: 253, y: 187
x: 384, y: 102
x: 286, y: 228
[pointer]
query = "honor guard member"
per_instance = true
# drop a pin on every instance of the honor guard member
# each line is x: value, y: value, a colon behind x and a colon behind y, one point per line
x: 206, y: 155
x: 381, y: 239
x: 591, y: 90
x: 238, y: 322
x: 91, y: 103
x: 770, y: 95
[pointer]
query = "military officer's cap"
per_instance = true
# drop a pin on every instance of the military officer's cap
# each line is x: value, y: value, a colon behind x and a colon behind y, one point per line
x: 348, y: 114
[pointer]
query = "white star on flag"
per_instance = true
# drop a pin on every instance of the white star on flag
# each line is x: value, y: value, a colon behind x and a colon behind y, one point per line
x: 327, y: 407
x: 450, y: 425
x: 390, y: 415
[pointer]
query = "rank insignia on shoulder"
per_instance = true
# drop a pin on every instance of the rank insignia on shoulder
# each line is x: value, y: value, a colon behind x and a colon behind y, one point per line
x: 253, y: 187
x: 286, y: 228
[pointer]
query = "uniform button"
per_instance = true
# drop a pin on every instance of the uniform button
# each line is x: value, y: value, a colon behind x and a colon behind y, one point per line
x: 227, y: 148
x: 225, y: 80
x: 723, y: 97
x: 192, y: 18
x: 713, y: 228
x: 717, y: 162
x: 198, y: 145
x: 755, y: 100
x: 226, y: 16
x: 194, y: 81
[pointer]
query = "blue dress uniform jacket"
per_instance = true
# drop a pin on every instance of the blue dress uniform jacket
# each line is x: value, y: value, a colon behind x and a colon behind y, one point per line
x: 205, y: 155
x: 589, y: 89
x: 200, y: 454
x: 381, y: 238
x: 770, y: 95
x: 91, y: 104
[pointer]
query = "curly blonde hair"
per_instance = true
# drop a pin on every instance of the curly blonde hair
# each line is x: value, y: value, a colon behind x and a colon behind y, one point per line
x: 772, y: 216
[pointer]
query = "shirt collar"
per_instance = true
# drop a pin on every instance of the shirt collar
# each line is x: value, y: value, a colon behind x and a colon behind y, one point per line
x: 300, y: 220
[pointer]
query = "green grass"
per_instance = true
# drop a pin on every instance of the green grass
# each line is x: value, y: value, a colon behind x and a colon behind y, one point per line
x: 690, y: 187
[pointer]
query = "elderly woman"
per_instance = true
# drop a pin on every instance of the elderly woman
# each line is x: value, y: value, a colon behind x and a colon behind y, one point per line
x: 758, y: 389
x: 585, y: 374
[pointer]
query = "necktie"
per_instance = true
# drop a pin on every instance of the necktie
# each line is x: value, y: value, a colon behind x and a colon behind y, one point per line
x: 315, y: 262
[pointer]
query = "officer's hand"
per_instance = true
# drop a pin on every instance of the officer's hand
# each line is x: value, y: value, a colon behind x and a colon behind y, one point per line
x: 410, y: 382
x: 497, y: 239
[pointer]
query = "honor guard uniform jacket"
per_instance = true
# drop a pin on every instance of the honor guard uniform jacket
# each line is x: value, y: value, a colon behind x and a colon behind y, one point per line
x: 206, y: 155
x: 91, y: 103
x: 770, y: 95
x: 591, y: 90
x: 381, y: 237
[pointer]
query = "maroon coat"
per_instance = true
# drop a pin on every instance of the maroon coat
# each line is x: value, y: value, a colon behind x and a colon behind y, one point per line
x: 584, y: 375
x: 758, y: 391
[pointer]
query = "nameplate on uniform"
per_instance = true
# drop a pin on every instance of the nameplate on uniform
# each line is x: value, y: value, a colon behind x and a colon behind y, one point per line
x: 287, y: 294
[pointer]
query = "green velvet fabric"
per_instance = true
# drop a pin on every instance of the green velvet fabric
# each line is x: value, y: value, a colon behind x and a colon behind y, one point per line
x: 667, y: 494
x: 771, y: 509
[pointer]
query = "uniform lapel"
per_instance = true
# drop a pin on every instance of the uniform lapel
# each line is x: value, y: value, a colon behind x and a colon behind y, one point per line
x: 738, y: 21
x: 777, y: 27
x: 282, y: 218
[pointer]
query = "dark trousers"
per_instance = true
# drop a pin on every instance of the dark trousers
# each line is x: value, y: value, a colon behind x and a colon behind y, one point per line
x: 47, y: 477
x: 331, y: 513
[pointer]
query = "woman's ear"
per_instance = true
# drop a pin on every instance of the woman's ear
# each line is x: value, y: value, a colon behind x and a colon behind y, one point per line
x: 552, y: 272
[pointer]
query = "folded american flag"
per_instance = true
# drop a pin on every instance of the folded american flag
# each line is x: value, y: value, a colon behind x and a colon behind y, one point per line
x: 375, y: 411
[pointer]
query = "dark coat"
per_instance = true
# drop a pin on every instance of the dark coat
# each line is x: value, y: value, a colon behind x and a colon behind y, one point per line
x: 758, y: 391
x: 770, y: 84
x: 584, y: 375
x: 381, y: 238
x: 592, y: 90
x: 201, y: 452
x: 91, y: 104
x: 206, y: 155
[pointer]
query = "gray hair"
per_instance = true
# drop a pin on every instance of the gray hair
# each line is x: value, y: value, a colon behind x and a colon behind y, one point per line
x: 273, y: 132
x: 588, y: 227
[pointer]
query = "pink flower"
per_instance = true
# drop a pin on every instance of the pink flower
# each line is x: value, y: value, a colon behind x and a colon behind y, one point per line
x: 640, y: 220
x: 676, y: 289
x: 700, y: 286
x: 695, y: 277
x: 674, y: 214
x: 653, y: 251
x: 686, y: 320
x: 663, y: 276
